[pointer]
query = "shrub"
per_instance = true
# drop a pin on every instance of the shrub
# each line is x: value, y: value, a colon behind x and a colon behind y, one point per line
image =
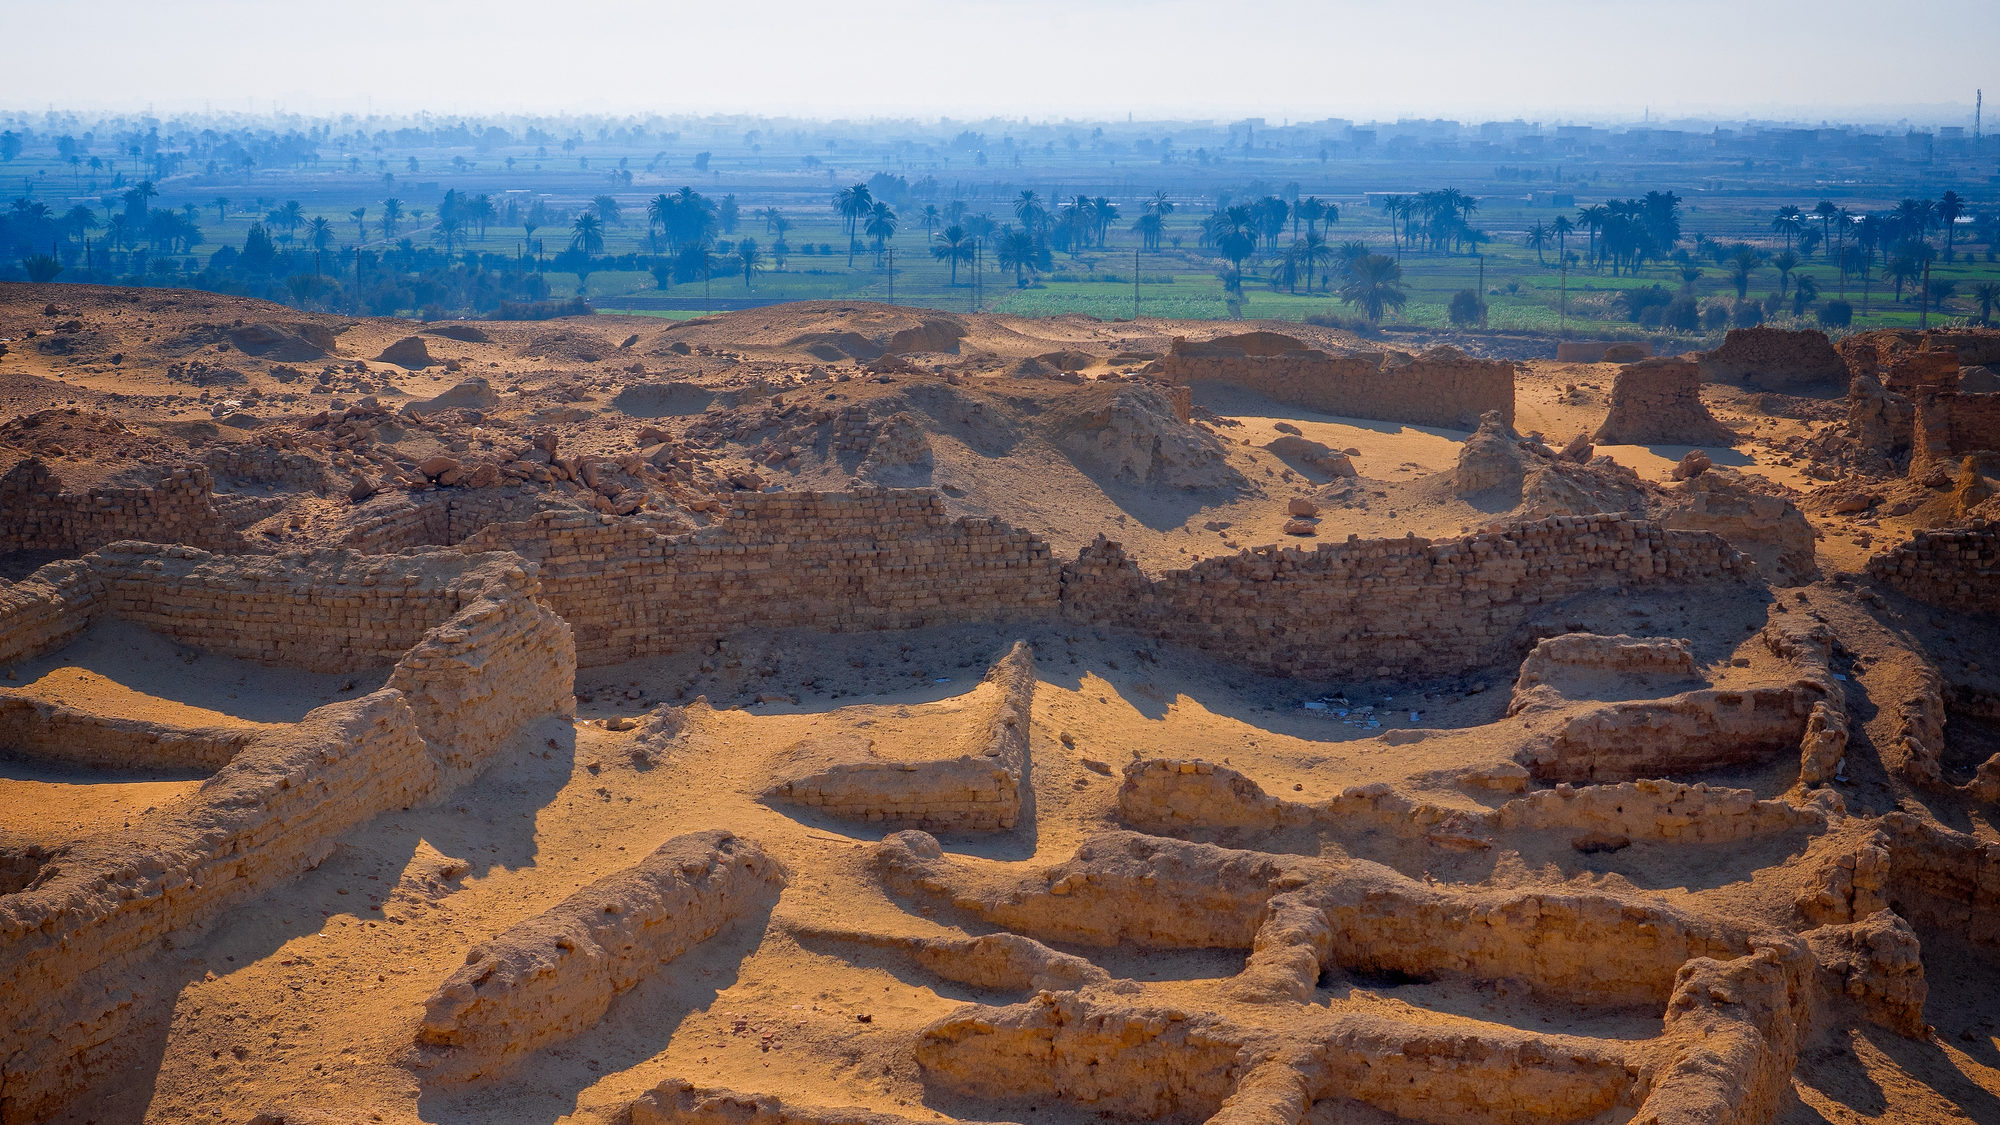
x: 1681, y: 314
x: 1715, y: 317
x: 1466, y: 308
x: 1836, y: 314
x: 1749, y: 314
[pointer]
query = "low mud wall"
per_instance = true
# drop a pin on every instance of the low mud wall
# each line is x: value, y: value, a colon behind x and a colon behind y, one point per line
x: 52, y: 732
x: 1775, y: 358
x: 1441, y: 387
x: 1954, y: 568
x: 978, y: 791
x: 71, y: 948
x: 1385, y: 606
x: 37, y: 514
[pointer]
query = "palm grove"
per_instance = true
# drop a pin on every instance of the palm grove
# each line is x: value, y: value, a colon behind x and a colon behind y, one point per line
x: 393, y: 257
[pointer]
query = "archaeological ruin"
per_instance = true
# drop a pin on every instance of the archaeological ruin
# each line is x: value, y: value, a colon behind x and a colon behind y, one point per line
x: 837, y: 714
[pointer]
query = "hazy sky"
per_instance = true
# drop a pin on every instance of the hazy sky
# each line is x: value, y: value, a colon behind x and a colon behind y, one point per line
x: 1834, y: 59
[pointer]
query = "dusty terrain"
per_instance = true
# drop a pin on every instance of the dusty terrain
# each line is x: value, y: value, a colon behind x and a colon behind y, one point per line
x: 1184, y: 753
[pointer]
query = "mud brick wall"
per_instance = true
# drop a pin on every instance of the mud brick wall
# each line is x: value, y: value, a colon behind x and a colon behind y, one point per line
x: 1956, y: 568
x: 72, y: 950
x: 52, y: 732
x: 437, y: 520
x: 36, y: 514
x: 1441, y: 387
x: 1385, y: 607
x: 1772, y: 358
x: 1972, y: 422
x: 264, y: 464
x: 840, y: 562
x: 324, y: 611
x: 1659, y: 400
x: 974, y: 792
x: 1943, y: 878
x: 46, y: 609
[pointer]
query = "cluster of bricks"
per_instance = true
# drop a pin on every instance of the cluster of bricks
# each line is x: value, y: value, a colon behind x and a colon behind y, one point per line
x: 37, y: 515
x: 1955, y: 568
x: 1439, y: 388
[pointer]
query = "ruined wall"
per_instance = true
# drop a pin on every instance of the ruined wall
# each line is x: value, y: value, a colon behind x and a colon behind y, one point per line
x: 36, y: 514
x: 1949, y: 425
x: 47, y: 609
x: 483, y: 657
x: 841, y: 562
x: 52, y: 732
x: 433, y: 520
x: 1659, y: 400
x: 1943, y: 878
x: 1774, y: 358
x: 1955, y: 568
x: 1441, y: 387
x: 1385, y: 607
x: 552, y: 976
x: 975, y: 792
x: 69, y: 948
x: 324, y: 611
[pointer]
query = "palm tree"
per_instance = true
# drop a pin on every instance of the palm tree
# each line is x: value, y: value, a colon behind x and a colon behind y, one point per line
x: 319, y: 232
x: 931, y: 220
x: 450, y: 229
x: 956, y: 247
x: 1826, y: 211
x: 1375, y: 282
x: 1742, y: 262
x: 881, y: 226
x: 1786, y: 262
x: 360, y: 217
x: 607, y: 210
x: 1105, y: 213
x: 221, y: 205
x: 1690, y: 273
x: 751, y: 259
x: 1803, y: 294
x: 1950, y: 206
x: 587, y: 233
x: 1593, y: 218
x: 854, y: 204
x: 1902, y: 268
x: 1787, y: 222
x: 1538, y: 238
x: 290, y: 216
x: 1149, y: 228
x: 1033, y: 215
x: 1986, y: 294
x: 481, y: 211
x: 1313, y: 253
x: 1235, y: 238
x: 772, y: 216
x: 1020, y: 251
x: 392, y: 213
x: 80, y: 220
